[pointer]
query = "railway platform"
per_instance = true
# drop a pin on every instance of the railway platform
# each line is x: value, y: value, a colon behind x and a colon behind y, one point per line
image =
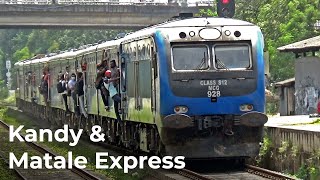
x: 297, y: 122
x: 293, y: 143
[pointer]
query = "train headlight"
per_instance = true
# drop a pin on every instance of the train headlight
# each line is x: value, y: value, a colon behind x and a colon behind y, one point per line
x: 227, y: 33
x: 192, y: 33
x: 180, y: 109
x: 246, y: 107
x: 211, y: 34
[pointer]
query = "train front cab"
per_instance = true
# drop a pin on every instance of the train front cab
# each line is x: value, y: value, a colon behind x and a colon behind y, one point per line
x: 212, y: 91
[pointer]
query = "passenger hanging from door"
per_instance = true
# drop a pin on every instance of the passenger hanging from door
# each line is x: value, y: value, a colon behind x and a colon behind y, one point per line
x: 99, y: 85
x: 79, y: 86
x: 44, y: 85
x: 62, y: 89
x: 109, y: 85
x: 115, y: 76
x: 72, y: 86
x: 115, y: 73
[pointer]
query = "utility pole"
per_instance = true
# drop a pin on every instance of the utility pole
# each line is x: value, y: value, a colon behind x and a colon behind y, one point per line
x: 8, y: 74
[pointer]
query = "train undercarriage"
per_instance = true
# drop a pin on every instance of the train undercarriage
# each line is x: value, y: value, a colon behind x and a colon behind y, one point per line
x: 205, y: 139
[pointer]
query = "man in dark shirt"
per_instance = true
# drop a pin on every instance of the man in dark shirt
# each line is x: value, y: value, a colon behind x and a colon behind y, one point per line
x: 99, y: 85
x: 80, y: 92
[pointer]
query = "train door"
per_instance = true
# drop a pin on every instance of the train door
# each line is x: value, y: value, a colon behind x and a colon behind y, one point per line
x: 38, y: 79
x: 144, y: 80
x: 72, y: 69
x: 82, y: 62
x: 129, y: 83
x: 54, y: 79
x: 64, y: 64
x: 27, y: 84
x: 33, y: 81
x: 123, y: 84
x: 22, y: 82
x: 154, y: 76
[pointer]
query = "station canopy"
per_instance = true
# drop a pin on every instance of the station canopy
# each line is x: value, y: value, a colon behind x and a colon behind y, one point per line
x: 307, y: 45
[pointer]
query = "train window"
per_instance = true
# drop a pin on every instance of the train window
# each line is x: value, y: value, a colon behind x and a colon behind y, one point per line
x: 134, y: 53
x: 232, y: 56
x: 148, y: 52
x: 144, y: 52
x: 139, y: 53
x: 130, y: 54
x: 192, y: 58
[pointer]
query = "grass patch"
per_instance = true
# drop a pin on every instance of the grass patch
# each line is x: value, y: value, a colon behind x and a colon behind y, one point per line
x: 5, y: 172
x: 316, y: 122
x: 9, y: 101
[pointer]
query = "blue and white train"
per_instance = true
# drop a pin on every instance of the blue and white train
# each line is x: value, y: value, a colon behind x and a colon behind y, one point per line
x: 191, y: 87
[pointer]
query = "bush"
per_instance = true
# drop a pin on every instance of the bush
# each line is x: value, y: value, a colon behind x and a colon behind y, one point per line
x: 4, y: 92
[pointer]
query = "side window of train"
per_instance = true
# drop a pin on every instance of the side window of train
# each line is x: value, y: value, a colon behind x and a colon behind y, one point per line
x: 144, y: 52
x: 139, y: 52
x: 130, y: 54
x: 93, y: 71
x: 134, y: 54
x: 148, y: 51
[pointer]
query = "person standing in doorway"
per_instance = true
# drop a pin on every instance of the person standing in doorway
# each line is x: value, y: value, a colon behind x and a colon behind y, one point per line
x: 80, y: 92
x: 72, y: 86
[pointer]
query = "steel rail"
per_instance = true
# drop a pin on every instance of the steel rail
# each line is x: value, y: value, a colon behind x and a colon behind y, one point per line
x: 192, y: 175
x: 248, y: 168
x: 80, y: 172
x: 266, y: 173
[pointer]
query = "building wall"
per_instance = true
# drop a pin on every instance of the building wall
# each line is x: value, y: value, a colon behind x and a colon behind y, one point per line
x: 307, y: 84
x: 287, y: 101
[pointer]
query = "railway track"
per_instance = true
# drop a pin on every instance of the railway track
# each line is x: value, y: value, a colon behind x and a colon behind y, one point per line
x: 249, y: 172
x: 61, y: 174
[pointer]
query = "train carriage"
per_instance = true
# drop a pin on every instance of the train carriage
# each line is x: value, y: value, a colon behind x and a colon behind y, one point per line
x: 195, y: 84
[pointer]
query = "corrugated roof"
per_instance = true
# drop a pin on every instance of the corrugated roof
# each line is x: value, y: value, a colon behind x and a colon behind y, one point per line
x: 311, y: 44
x: 286, y: 82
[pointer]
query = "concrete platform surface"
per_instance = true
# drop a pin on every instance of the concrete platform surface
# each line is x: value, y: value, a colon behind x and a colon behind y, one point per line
x: 298, y: 122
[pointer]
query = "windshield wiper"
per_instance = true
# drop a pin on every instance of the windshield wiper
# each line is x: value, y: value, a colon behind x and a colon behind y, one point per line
x: 221, y: 64
x: 203, y: 61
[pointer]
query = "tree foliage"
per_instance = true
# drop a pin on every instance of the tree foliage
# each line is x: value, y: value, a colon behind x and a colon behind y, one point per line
x: 21, y: 44
x: 282, y: 22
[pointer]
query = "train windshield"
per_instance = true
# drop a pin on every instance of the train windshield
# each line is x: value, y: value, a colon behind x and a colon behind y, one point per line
x: 232, y: 57
x: 190, y: 57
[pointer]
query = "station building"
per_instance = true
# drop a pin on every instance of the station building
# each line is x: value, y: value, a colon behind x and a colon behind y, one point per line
x: 301, y: 94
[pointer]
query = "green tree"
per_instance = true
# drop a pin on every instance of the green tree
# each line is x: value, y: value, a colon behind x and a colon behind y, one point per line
x: 22, y: 54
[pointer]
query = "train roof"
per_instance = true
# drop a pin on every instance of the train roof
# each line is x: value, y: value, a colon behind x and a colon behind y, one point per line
x: 198, y: 22
x: 191, y: 22
x: 109, y: 44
